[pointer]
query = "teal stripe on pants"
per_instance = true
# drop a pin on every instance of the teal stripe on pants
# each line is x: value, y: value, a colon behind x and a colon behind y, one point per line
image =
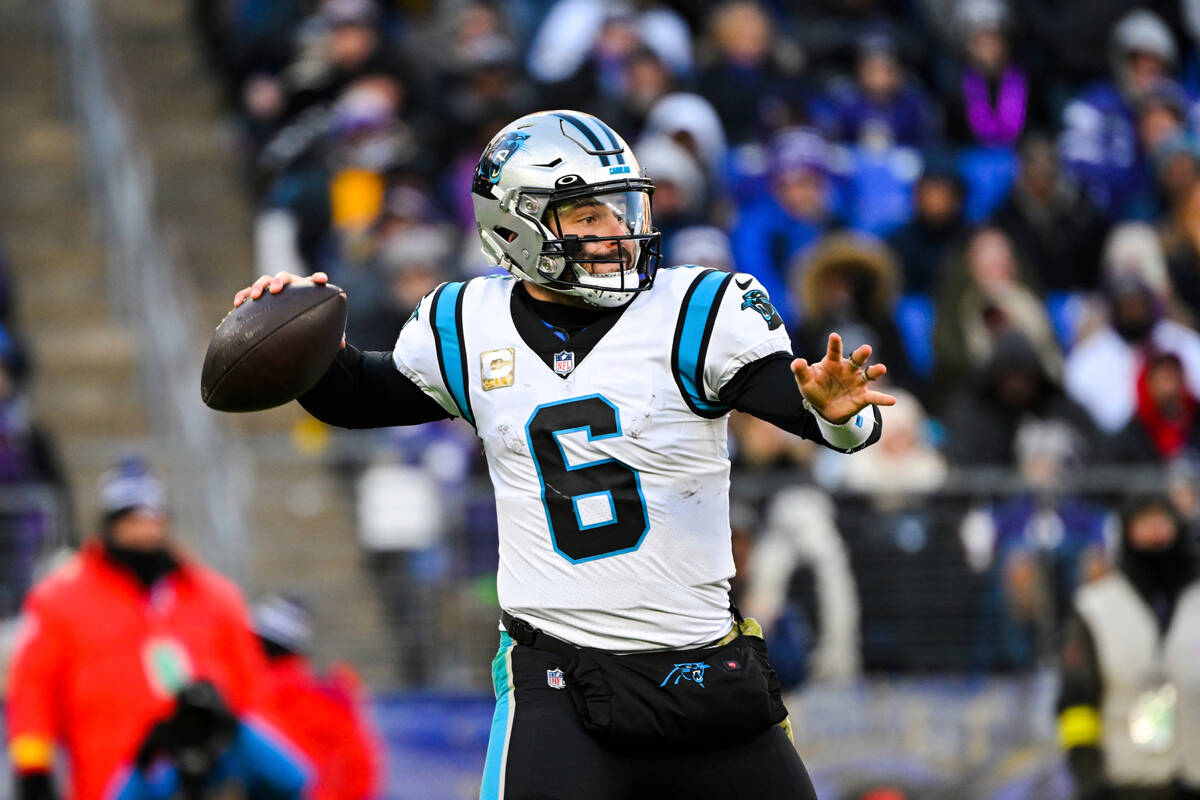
x: 497, y: 752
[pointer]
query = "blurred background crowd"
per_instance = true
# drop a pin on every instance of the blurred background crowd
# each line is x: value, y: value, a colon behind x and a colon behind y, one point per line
x: 1002, y: 197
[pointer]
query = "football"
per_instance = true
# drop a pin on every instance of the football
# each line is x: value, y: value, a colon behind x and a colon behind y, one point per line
x: 269, y: 351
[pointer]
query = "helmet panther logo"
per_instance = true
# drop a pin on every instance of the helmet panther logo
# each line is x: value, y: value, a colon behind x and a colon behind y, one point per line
x: 757, y: 299
x: 496, y: 156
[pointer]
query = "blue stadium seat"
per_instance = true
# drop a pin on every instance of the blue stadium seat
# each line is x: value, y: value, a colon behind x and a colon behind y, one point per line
x: 988, y: 173
x: 881, y: 188
x: 914, y: 316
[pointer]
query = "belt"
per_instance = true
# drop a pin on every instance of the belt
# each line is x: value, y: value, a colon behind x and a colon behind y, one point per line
x: 525, y: 634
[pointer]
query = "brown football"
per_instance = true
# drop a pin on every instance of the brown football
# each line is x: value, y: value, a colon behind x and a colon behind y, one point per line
x: 269, y: 351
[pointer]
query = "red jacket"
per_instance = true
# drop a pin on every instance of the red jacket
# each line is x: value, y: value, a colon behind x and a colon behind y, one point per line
x: 98, y: 659
x: 322, y: 717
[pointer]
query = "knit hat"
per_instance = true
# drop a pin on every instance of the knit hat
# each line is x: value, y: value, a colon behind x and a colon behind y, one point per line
x: 283, y: 621
x: 131, y: 486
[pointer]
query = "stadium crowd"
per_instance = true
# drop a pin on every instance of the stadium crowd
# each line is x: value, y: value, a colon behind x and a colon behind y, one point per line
x: 999, y: 196
x: 37, y: 503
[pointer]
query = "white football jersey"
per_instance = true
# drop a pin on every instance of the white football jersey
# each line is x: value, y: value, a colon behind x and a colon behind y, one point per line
x: 611, y: 472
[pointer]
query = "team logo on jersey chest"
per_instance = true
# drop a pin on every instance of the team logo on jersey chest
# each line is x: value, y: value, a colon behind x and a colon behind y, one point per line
x: 564, y: 362
x: 497, y: 368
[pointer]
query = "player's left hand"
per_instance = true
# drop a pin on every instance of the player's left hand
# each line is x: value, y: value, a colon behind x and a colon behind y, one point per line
x: 838, y: 388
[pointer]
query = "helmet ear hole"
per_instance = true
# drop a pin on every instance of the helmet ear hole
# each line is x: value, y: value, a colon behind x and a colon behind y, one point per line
x: 506, y: 234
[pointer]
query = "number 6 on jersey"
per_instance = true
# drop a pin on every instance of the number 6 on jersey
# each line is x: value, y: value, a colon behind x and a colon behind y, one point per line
x: 596, y: 508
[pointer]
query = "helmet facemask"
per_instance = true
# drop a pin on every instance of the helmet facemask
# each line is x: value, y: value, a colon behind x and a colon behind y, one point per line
x: 599, y: 244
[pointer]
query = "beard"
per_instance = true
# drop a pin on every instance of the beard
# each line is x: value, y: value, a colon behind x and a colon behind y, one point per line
x: 623, y: 258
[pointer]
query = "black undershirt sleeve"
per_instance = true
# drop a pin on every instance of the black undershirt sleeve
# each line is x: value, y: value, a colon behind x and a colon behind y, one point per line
x: 767, y: 389
x: 365, y: 390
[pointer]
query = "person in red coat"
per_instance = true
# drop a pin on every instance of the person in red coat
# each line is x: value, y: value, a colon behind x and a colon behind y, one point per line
x: 322, y: 715
x: 107, y: 640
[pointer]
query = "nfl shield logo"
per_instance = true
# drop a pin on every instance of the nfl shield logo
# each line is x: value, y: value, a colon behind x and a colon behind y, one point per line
x: 564, y: 362
x: 555, y: 678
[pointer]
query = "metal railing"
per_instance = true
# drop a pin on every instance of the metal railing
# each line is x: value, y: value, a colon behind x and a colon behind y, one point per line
x: 149, y: 291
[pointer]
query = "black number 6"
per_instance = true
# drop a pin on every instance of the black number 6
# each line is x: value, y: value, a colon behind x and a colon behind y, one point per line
x: 594, y: 509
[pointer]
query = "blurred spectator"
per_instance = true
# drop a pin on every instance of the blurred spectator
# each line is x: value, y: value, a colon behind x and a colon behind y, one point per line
x: 1181, y: 240
x: 1012, y: 387
x: 904, y: 462
x: 829, y: 32
x: 985, y: 293
x: 752, y: 91
x: 759, y: 448
x: 1183, y: 488
x: 412, y: 509
x: 28, y: 458
x: 1036, y: 548
x: 1070, y: 48
x: 647, y: 80
x: 993, y: 101
x: 1051, y: 220
x: 771, y: 230
x: 342, y: 42
x: 323, y: 715
x: 203, y: 750
x: 336, y: 181
x: 848, y: 283
x: 1129, y: 699
x: 1102, y: 369
x: 1176, y: 170
x: 485, y: 83
x: 692, y: 122
x: 407, y: 265
x: 1163, y: 426
x: 884, y: 106
x: 111, y: 637
x: 702, y: 245
x: 1163, y: 111
x: 591, y: 46
x: 1101, y: 141
x: 6, y: 287
x: 680, y: 186
x: 937, y: 224
x: 800, y: 530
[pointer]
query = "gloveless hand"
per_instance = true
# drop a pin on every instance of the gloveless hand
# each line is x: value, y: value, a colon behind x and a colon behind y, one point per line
x: 838, y: 388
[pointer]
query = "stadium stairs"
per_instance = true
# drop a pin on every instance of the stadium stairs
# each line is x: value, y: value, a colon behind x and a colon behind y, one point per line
x: 88, y: 388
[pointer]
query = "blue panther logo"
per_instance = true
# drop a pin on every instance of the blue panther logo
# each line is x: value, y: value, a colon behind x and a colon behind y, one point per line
x: 494, y: 159
x: 757, y: 299
x: 692, y: 671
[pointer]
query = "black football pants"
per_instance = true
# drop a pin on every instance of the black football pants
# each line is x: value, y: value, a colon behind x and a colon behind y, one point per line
x: 539, y: 750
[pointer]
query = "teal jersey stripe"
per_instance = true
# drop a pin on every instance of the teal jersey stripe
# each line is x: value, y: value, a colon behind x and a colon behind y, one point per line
x: 447, y: 327
x: 498, y: 739
x: 695, y: 327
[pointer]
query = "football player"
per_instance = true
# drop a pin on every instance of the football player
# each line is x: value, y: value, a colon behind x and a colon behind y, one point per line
x: 600, y: 386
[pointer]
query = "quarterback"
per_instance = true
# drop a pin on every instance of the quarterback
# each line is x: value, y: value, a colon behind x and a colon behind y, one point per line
x: 600, y: 386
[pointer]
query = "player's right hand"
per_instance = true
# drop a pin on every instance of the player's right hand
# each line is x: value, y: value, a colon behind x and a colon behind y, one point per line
x: 274, y: 285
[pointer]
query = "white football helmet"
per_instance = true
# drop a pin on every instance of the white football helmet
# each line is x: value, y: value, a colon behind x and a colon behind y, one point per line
x: 561, y: 202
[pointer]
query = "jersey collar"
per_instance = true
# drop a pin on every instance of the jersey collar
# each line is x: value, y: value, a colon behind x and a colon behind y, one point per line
x: 542, y: 340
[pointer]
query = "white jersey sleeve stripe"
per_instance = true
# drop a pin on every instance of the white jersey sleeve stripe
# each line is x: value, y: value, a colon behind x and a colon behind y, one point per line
x: 692, y: 333
x: 448, y: 337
